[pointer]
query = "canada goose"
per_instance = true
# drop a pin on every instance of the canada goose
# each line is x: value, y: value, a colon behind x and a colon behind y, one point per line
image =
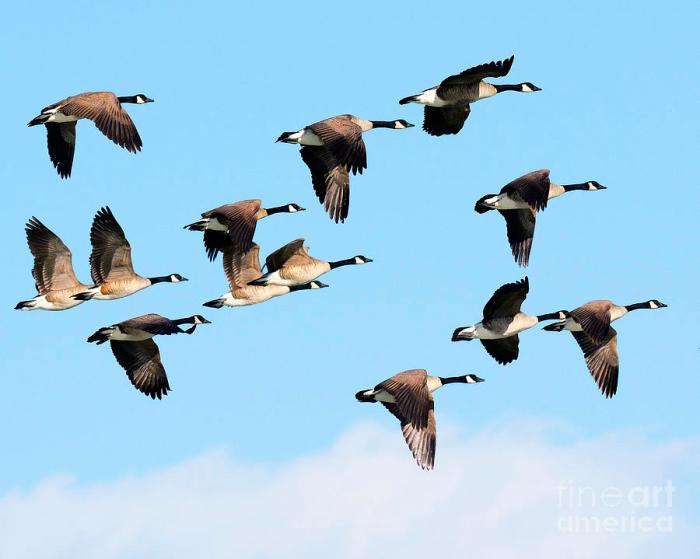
x: 138, y: 354
x: 408, y: 396
x: 447, y: 105
x: 242, y: 268
x: 104, y: 108
x: 590, y: 326
x: 332, y: 148
x: 110, y: 262
x: 291, y: 265
x: 234, y: 223
x: 53, y: 271
x: 518, y: 202
x: 503, y: 319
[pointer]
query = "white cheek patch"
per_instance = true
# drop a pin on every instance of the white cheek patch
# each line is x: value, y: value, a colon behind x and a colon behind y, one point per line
x: 291, y: 209
x: 526, y: 88
x: 398, y: 125
x: 653, y: 305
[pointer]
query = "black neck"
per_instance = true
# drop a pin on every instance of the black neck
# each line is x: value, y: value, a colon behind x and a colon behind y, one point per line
x: 277, y: 209
x: 339, y: 263
x: 636, y: 306
x: 578, y: 186
x: 188, y: 320
x: 507, y: 87
x: 128, y: 99
x: 548, y: 316
x: 383, y: 124
x: 450, y: 380
x: 300, y: 287
x: 159, y: 279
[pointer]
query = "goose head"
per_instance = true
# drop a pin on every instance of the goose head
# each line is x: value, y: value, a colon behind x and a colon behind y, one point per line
x: 199, y: 319
x: 141, y: 99
x: 528, y: 87
x: 655, y: 304
x: 595, y: 185
x: 175, y: 278
x: 401, y: 123
x: 359, y: 259
x: 472, y: 379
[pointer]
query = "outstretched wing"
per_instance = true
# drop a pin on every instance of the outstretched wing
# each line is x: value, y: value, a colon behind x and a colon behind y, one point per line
x: 141, y: 361
x: 60, y: 139
x: 330, y: 179
x: 53, y: 262
x: 414, y: 407
x: 507, y: 299
x: 278, y: 258
x: 105, y: 110
x: 520, y: 227
x: 343, y: 138
x: 532, y: 188
x: 438, y: 121
x: 601, y: 359
x: 452, y: 86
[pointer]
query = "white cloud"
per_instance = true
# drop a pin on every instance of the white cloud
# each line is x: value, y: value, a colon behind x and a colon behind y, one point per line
x: 495, y: 494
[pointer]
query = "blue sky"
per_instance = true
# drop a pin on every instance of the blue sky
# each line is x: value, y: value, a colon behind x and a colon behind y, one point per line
x: 273, y: 384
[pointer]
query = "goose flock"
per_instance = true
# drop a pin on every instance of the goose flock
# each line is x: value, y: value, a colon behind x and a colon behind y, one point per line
x: 332, y: 149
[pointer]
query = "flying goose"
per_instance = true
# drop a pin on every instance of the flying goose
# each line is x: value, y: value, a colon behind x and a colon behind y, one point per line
x: 53, y: 271
x: 332, y: 148
x: 291, y: 265
x: 447, y: 105
x: 242, y: 268
x: 518, y: 203
x: 234, y: 223
x: 138, y: 354
x: 104, y: 108
x: 110, y: 262
x: 590, y: 326
x: 408, y: 396
x: 503, y: 319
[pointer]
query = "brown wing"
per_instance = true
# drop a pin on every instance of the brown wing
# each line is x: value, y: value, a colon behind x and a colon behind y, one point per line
x: 242, y: 267
x: 594, y: 318
x: 110, y: 259
x: 141, y: 361
x: 277, y: 259
x: 520, y: 226
x: 241, y: 219
x: 414, y: 409
x: 438, y: 121
x: 60, y: 139
x: 330, y: 179
x: 53, y: 261
x: 507, y: 299
x: 601, y: 359
x: 343, y: 138
x: 452, y: 86
x: 533, y: 188
x: 105, y: 110
x: 503, y: 350
x: 152, y: 323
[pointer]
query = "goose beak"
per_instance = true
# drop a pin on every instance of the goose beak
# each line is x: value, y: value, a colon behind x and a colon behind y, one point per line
x: 535, y: 88
x: 205, y: 321
x: 147, y: 100
x: 662, y: 305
